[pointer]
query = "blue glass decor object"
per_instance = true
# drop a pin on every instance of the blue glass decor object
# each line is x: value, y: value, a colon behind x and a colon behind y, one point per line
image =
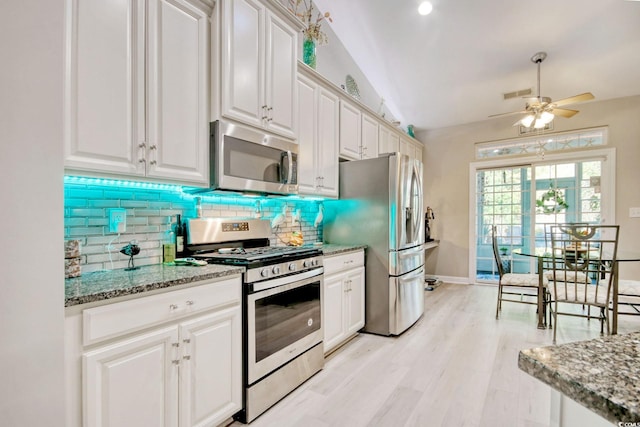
x: 410, y: 131
x: 309, y: 52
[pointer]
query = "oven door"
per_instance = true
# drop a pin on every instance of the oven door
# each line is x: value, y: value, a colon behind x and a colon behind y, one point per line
x: 282, y: 323
x: 246, y: 160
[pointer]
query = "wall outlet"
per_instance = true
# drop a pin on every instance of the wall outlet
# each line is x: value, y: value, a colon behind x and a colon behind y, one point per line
x: 117, y: 220
x: 634, y: 212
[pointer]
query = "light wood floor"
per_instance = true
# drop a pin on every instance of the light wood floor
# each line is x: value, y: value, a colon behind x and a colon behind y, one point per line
x: 457, y: 366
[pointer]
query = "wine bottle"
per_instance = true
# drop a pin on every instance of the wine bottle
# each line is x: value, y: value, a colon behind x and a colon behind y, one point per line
x: 179, y: 237
x: 169, y: 245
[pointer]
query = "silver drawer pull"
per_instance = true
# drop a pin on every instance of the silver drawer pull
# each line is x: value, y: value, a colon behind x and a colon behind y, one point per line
x: 175, y: 362
x: 186, y: 340
x: 189, y: 302
x: 173, y: 306
x: 187, y: 357
x: 175, y: 344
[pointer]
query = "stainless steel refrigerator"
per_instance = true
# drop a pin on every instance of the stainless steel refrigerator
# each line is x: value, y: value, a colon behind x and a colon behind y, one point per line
x: 381, y: 205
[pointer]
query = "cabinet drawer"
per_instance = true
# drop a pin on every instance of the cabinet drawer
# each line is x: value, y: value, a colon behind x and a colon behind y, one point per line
x: 111, y: 320
x: 336, y: 263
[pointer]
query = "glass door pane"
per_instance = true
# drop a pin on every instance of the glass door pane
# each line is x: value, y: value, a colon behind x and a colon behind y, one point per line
x: 521, y: 200
x: 502, y: 195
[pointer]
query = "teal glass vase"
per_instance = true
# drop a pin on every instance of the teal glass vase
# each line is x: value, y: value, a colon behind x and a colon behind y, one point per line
x: 309, y: 52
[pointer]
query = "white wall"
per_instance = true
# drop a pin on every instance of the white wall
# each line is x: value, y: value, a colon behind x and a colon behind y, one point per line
x: 31, y: 250
x: 448, y: 152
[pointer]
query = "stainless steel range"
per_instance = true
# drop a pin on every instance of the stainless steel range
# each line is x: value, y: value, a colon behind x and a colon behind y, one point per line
x: 282, y: 289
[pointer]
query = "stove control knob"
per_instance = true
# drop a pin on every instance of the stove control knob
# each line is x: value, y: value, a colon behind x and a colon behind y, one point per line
x: 307, y: 263
x: 292, y: 267
x: 264, y: 272
x: 314, y: 262
x: 276, y: 270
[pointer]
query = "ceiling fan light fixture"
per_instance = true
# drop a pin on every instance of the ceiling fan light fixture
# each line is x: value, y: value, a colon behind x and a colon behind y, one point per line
x: 546, y: 117
x: 527, y: 120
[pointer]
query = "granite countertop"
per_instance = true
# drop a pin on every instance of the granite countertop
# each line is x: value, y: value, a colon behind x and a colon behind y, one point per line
x: 102, y: 285
x: 602, y: 374
x: 333, y: 249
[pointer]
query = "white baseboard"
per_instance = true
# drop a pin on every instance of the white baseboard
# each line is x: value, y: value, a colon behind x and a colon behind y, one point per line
x: 452, y: 279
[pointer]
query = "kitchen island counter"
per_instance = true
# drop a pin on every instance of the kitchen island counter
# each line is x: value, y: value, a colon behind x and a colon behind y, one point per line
x: 603, y: 374
x: 103, y: 285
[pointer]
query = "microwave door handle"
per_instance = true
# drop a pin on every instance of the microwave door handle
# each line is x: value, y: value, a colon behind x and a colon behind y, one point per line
x: 290, y: 174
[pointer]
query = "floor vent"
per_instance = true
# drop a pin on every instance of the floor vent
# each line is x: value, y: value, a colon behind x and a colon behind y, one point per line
x: 517, y: 94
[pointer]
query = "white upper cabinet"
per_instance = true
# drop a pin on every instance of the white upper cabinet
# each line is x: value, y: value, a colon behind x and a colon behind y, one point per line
x: 358, y: 133
x: 178, y: 118
x: 259, y: 60
x: 136, y: 85
x: 388, y: 140
x: 318, y: 110
x: 350, y: 130
x: 369, y: 148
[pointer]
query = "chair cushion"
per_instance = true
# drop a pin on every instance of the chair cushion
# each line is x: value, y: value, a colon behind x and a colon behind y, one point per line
x: 629, y: 287
x: 518, y: 279
x: 593, y: 294
x: 567, y: 276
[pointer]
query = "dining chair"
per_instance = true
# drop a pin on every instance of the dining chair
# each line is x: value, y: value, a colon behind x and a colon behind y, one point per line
x: 628, y: 297
x: 583, y: 259
x: 571, y: 276
x: 526, y: 286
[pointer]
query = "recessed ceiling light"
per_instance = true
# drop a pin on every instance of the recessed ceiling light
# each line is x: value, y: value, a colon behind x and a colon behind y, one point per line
x: 425, y: 8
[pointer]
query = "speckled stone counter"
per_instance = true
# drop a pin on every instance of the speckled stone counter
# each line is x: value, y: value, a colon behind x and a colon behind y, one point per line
x: 329, y: 249
x: 102, y: 285
x: 602, y: 374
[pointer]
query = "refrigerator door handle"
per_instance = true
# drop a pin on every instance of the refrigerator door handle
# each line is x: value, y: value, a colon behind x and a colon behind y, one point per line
x: 412, y: 276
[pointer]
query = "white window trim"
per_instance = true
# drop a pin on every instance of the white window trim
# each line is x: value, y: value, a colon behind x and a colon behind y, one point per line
x: 608, y: 185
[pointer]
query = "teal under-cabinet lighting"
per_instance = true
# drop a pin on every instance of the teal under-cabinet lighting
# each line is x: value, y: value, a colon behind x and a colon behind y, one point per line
x: 107, y: 182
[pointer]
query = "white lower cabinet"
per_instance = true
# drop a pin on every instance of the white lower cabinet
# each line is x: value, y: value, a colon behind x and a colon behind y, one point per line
x: 183, y: 366
x: 343, y: 299
x: 133, y: 382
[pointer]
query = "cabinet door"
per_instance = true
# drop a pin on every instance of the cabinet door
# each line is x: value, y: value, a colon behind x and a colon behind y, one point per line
x: 280, y: 79
x: 418, y: 151
x: 104, y: 99
x: 243, y: 61
x: 133, y: 382
x: 178, y: 44
x: 369, y: 137
x: 388, y: 141
x: 211, y: 368
x: 355, y: 301
x: 407, y: 148
x: 333, y: 311
x: 328, y: 134
x: 350, y: 138
x: 307, y: 173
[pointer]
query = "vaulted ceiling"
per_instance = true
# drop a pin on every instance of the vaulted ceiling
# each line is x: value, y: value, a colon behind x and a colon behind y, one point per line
x: 454, y: 65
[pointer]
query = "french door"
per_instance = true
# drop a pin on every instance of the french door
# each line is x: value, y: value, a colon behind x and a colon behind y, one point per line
x: 520, y: 199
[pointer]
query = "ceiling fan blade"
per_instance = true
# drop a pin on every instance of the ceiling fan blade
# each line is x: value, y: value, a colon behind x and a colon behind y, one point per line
x: 564, y: 112
x: 508, y: 114
x: 574, y: 99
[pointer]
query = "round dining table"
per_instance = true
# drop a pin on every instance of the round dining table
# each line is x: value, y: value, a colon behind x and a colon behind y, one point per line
x: 543, y: 254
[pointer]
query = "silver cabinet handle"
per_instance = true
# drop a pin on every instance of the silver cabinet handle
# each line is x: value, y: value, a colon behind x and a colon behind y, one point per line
x: 187, y: 357
x: 173, y: 306
x: 142, y: 161
x: 175, y: 362
x: 175, y: 344
x: 186, y: 340
x: 153, y: 162
x: 141, y: 145
x: 153, y: 147
x: 190, y: 302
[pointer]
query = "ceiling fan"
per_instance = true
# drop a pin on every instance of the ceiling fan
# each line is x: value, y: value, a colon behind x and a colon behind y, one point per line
x: 540, y: 110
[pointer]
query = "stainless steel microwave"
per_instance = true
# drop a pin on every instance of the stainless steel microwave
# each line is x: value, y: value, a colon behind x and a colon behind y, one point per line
x: 247, y: 160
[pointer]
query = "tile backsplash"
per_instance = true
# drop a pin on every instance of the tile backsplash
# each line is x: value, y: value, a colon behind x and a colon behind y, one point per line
x: 150, y: 211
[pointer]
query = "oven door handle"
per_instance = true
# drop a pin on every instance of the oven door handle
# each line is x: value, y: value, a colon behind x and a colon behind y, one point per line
x: 293, y: 280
